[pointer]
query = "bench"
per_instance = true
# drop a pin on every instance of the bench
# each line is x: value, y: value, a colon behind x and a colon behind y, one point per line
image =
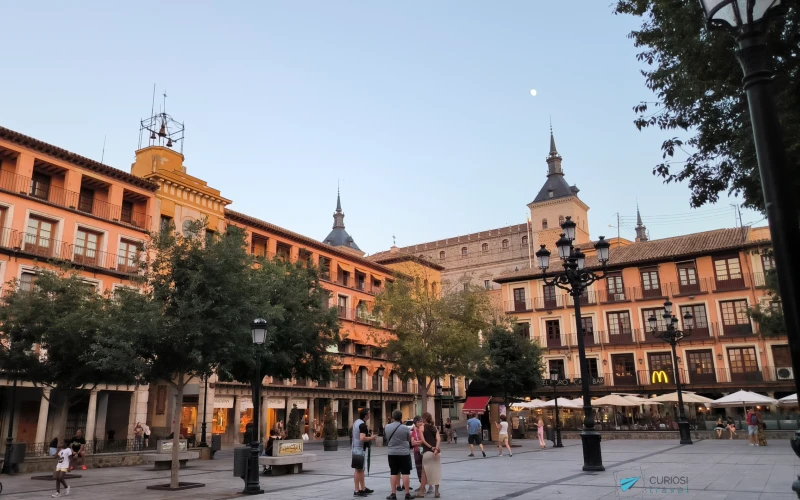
x: 162, y: 459
x: 287, y: 464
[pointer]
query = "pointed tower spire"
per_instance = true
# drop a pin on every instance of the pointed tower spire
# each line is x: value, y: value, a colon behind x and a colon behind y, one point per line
x: 338, y: 216
x: 641, y: 229
x: 553, y: 159
x: 338, y: 237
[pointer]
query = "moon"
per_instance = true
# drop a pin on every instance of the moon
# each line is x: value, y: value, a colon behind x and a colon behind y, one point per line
x: 533, y: 92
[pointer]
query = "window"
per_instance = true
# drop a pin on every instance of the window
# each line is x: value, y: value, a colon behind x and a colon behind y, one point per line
x: 485, y: 248
x: 305, y: 257
x: 361, y: 350
x: 390, y: 383
x: 587, y: 322
x: 258, y: 246
x: 553, y: 329
x: 463, y: 251
x: 342, y: 305
x: 487, y: 284
x: 524, y: 330
x: 441, y: 255
x: 767, y: 262
x: 40, y: 186
x: 519, y: 300
x: 701, y: 366
x: 734, y: 317
x: 466, y: 287
x: 544, y: 223
x: 550, y: 301
x: 26, y: 281
x: 616, y: 290
x: 361, y: 281
x: 781, y: 357
x: 324, y: 268
x: 624, y: 369
x: 161, y: 400
x: 86, y: 200
x: 360, y: 378
x: 376, y: 381
x: 698, y: 311
x: 558, y: 365
x: 86, y: 245
x: 38, y: 239
x: 744, y: 364
x: 560, y: 219
x: 591, y: 364
x: 524, y: 241
x: 650, y: 284
x: 128, y: 261
x: 687, y: 278
x: 188, y: 228
x: 166, y: 223
x: 660, y: 321
x: 504, y: 244
x: 341, y: 381
x: 661, y: 361
x: 728, y: 272
x: 619, y: 327
x: 127, y: 212
x: 283, y: 251
x: 3, y: 211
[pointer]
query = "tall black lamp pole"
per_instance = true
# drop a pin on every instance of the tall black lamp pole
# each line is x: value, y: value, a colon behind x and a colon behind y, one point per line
x: 670, y: 334
x: 748, y: 19
x: 575, y: 279
x: 441, y: 412
x: 555, y: 376
x: 203, y: 443
x: 380, y: 391
x: 10, y: 439
x: 252, y: 483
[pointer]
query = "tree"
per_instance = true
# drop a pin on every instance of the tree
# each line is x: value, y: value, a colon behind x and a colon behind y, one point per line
x: 293, y: 426
x: 511, y: 364
x: 698, y: 84
x: 770, y: 320
x: 433, y: 335
x: 329, y: 424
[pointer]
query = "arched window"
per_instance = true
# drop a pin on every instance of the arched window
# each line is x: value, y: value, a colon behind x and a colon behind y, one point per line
x: 463, y: 251
x: 524, y: 241
x: 505, y: 243
x: 544, y: 223
x: 560, y: 219
x: 441, y: 255
x: 485, y: 247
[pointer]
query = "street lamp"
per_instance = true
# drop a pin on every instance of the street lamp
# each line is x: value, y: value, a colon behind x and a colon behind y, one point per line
x: 380, y: 390
x: 438, y: 395
x: 7, y: 466
x: 748, y: 20
x: 575, y: 279
x: 671, y: 335
x: 554, y: 378
x: 203, y: 443
x: 252, y: 484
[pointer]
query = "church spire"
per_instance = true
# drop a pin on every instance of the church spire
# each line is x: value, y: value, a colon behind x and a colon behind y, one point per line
x: 338, y: 216
x: 553, y: 158
x: 641, y: 229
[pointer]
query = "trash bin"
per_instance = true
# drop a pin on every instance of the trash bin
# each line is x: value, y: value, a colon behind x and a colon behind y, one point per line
x: 240, y: 456
x: 485, y: 435
x: 216, y: 442
x: 550, y: 434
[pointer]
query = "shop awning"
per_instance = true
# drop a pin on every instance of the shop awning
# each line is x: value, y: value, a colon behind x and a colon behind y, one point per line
x: 475, y: 404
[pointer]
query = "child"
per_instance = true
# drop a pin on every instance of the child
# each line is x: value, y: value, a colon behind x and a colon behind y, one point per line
x: 63, y: 455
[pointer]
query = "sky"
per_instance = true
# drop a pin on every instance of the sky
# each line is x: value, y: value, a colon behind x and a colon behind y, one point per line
x: 420, y: 111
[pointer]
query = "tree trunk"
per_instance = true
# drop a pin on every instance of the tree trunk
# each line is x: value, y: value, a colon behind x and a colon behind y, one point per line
x: 422, y: 390
x: 174, y: 480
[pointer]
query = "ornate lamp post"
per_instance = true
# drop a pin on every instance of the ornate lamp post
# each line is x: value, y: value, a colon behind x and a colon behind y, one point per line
x: 555, y: 376
x: 576, y: 280
x: 7, y: 468
x: 203, y: 443
x: 671, y: 335
x: 252, y: 483
x: 438, y: 395
x: 380, y: 390
x: 748, y: 20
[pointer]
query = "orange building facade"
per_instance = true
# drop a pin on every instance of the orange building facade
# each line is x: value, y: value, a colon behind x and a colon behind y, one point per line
x: 717, y: 276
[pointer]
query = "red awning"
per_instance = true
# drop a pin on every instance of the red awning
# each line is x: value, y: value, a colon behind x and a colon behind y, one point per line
x: 475, y: 404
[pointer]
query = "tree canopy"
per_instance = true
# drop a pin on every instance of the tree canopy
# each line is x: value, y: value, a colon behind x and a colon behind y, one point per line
x: 701, y: 104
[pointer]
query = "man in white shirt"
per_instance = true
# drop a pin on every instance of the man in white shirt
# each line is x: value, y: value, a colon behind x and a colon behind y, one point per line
x: 62, y: 467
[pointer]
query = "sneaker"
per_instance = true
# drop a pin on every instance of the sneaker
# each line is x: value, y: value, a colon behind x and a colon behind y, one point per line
x: 510, y: 455
x: 751, y: 444
x: 359, y: 494
x: 367, y: 491
x: 67, y: 493
x: 83, y: 467
x: 471, y: 455
x: 392, y: 497
x: 408, y: 496
x: 484, y: 454
x: 56, y: 495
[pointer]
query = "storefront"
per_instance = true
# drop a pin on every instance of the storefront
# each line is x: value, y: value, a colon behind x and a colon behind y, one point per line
x: 189, y: 416
x: 222, y: 416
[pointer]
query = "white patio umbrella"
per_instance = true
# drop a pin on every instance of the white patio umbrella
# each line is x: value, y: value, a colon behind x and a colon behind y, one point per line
x: 688, y: 397
x: 562, y: 403
x: 613, y: 400
x: 788, y: 400
x: 744, y: 398
x: 639, y: 400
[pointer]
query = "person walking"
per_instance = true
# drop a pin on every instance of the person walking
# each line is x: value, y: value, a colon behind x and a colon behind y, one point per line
x: 752, y: 427
x: 502, y: 426
x: 360, y: 440
x: 761, y: 433
x: 62, y: 467
x: 540, y: 432
x: 398, y: 442
x: 78, y: 444
x: 720, y: 427
x: 474, y: 431
x: 431, y: 456
x: 448, y: 430
x: 138, y: 437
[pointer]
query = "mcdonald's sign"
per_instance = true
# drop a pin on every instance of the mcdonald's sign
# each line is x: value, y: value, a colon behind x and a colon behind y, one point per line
x: 660, y: 376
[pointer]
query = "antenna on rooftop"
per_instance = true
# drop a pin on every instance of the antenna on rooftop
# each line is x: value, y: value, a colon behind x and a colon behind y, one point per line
x: 161, y: 129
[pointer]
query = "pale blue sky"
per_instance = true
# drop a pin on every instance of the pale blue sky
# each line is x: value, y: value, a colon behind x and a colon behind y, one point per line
x: 422, y: 109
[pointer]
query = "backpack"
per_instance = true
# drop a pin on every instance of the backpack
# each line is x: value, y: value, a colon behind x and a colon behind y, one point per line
x: 753, y: 419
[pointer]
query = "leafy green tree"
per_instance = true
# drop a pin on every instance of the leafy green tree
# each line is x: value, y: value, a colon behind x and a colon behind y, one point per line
x: 330, y: 431
x: 511, y: 364
x: 294, y: 427
x: 433, y: 335
x: 698, y: 85
x: 770, y: 319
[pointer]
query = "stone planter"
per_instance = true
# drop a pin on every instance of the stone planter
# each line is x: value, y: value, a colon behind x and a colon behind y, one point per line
x: 330, y: 445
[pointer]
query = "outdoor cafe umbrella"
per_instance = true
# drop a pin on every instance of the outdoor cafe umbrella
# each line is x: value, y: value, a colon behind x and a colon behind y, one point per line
x: 744, y: 399
x: 562, y: 403
x: 688, y: 397
x: 788, y: 400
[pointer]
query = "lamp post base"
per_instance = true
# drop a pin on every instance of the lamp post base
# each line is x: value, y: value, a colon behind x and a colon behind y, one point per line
x: 685, y: 432
x: 252, y: 485
x: 558, y: 443
x: 592, y: 455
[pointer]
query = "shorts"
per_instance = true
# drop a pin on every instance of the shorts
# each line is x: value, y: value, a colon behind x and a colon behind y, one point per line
x: 474, y: 439
x: 503, y: 437
x: 59, y: 469
x: 399, y: 465
x: 358, y: 462
x: 751, y: 430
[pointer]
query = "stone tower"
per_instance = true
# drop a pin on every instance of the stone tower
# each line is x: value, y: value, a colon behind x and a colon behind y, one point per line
x: 338, y: 236
x: 641, y: 229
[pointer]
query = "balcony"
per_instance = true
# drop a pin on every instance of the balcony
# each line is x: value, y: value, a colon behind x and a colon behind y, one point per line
x: 587, y: 299
x: 699, y: 286
x: 620, y: 338
x: 71, y: 200
x: 660, y: 292
x: 739, y: 330
x: 741, y: 282
x: 625, y: 379
x: 556, y: 341
x: 658, y: 378
x: 548, y: 303
x: 615, y: 296
x: 646, y: 335
x: 520, y: 305
x: 588, y: 339
x: 702, y: 376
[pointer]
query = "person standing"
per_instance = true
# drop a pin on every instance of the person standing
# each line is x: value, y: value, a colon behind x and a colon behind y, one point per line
x: 448, y: 430
x: 474, y: 429
x: 752, y: 427
x: 502, y: 426
x: 78, y: 444
x: 146, y: 429
x: 398, y: 442
x: 540, y: 432
x: 431, y: 456
x: 416, y: 441
x: 62, y: 466
x: 138, y: 436
x: 761, y: 434
x: 360, y: 440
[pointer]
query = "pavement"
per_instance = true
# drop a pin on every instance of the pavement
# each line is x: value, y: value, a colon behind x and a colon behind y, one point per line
x: 710, y: 470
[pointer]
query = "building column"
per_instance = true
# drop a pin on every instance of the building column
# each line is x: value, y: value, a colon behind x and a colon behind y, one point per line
x: 383, y: 415
x: 263, y: 417
x: 138, y: 410
x: 91, y: 418
x: 286, y: 412
x: 312, y: 417
x: 350, y: 405
x: 44, y: 408
x: 237, y: 418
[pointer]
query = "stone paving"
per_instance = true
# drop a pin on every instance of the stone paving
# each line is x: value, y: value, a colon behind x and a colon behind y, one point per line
x: 714, y: 469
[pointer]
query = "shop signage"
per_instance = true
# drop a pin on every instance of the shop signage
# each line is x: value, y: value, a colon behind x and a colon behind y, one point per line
x: 592, y: 381
x: 165, y: 446
x: 335, y: 406
x: 659, y: 376
x: 223, y: 402
x: 301, y: 404
x: 245, y: 404
x: 289, y: 447
x: 278, y: 403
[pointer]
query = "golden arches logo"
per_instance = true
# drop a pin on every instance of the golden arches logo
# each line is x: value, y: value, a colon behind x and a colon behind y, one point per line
x: 660, y: 376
